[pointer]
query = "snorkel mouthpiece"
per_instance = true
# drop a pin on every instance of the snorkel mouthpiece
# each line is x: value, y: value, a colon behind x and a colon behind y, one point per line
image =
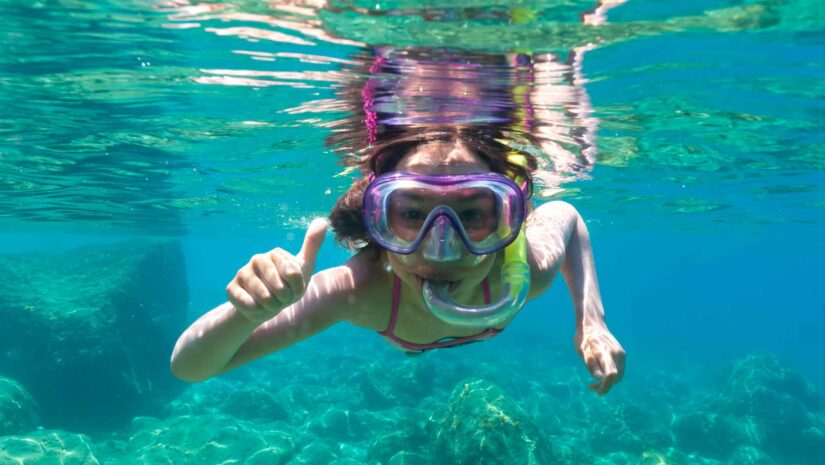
x: 515, y: 279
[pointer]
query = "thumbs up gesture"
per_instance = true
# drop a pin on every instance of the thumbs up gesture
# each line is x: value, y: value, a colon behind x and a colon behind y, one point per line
x: 276, y: 279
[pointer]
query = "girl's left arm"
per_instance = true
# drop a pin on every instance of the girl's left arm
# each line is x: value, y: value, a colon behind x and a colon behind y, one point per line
x: 559, y: 241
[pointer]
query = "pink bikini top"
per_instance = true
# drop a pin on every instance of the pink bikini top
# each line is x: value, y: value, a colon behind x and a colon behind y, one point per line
x: 442, y: 343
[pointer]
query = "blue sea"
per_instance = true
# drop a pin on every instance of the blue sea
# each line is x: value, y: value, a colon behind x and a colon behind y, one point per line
x: 148, y: 149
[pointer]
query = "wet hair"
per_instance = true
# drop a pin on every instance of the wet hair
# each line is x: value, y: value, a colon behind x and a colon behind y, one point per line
x: 483, y: 140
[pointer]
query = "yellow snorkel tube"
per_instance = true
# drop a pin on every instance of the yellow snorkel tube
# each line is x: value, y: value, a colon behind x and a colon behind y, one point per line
x: 515, y: 285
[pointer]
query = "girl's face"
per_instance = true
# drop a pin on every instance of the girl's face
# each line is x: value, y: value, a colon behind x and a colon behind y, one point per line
x: 466, y: 273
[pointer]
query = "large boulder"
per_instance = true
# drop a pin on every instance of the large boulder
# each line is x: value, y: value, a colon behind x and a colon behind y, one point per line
x: 763, y: 412
x: 483, y: 426
x: 89, y: 332
x: 18, y: 411
x: 783, y: 409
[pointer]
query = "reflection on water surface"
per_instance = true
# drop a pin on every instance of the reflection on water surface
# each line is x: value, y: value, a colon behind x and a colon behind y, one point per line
x: 172, y: 115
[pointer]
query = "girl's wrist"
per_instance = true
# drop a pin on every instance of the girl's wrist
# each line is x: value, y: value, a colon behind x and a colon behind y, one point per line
x: 241, y: 321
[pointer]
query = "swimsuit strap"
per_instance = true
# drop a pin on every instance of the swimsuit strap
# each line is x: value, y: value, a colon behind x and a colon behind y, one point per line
x: 412, y: 346
x: 396, y: 300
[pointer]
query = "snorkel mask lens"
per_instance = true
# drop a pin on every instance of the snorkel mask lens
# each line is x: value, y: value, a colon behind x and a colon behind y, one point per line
x: 483, y: 211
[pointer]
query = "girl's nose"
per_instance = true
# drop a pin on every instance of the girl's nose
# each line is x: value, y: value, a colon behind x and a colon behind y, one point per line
x: 442, y: 243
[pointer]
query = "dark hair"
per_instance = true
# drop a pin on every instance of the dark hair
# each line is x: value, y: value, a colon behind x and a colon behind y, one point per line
x: 486, y: 141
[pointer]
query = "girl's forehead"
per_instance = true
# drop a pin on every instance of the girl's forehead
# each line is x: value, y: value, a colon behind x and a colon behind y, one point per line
x: 442, y: 158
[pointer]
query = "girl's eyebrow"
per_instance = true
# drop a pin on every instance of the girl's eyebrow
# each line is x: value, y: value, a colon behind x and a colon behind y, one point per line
x: 409, y: 196
x: 414, y: 196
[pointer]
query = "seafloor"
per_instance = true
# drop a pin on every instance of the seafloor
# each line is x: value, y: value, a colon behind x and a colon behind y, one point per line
x: 342, y: 406
x: 81, y: 394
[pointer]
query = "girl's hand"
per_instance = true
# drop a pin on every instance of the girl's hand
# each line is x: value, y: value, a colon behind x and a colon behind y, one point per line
x: 276, y: 279
x: 603, y: 356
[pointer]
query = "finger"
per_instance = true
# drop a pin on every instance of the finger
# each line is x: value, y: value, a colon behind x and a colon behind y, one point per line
x: 268, y: 270
x: 262, y: 281
x: 312, y: 244
x: 239, y: 297
x: 236, y: 290
x: 607, y: 382
x: 592, y: 363
x: 609, y: 378
x: 287, y: 276
x: 264, y: 298
x: 620, y: 364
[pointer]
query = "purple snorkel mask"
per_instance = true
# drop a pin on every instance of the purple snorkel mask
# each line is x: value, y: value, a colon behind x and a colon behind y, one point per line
x: 439, y: 213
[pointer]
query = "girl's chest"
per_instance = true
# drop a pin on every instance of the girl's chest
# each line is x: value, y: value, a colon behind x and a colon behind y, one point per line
x: 411, y: 321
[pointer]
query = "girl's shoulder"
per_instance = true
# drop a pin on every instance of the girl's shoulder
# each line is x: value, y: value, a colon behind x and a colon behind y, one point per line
x: 368, y: 287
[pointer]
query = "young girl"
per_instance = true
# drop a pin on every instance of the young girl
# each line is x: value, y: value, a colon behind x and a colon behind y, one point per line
x: 449, y: 251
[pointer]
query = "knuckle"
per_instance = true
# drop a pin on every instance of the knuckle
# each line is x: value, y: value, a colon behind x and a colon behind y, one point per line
x: 274, y: 256
x: 243, y: 275
x: 259, y: 261
x: 237, y: 297
x: 260, y: 291
x: 293, y: 275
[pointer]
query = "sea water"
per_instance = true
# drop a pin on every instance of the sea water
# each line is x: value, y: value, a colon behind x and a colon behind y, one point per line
x: 689, y: 135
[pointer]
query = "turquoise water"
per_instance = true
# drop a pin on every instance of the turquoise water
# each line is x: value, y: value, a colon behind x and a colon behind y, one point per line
x: 689, y: 135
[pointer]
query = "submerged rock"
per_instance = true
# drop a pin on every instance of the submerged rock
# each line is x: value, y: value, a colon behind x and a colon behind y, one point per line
x: 407, y: 458
x: 89, y: 332
x: 747, y: 455
x: 628, y: 427
x: 401, y: 445
x: 760, y: 385
x: 315, y: 453
x: 47, y: 447
x: 390, y: 383
x: 205, y: 439
x: 255, y: 403
x: 673, y: 456
x: 778, y: 405
x: 711, y: 434
x: 18, y: 411
x: 762, y: 412
x: 337, y: 424
x: 483, y: 426
x: 616, y: 458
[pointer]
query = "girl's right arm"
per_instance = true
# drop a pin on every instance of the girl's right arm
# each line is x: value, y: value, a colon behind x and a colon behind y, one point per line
x: 274, y: 301
x: 224, y: 338
x: 207, y: 346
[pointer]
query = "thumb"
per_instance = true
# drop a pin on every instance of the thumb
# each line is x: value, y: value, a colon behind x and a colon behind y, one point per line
x: 312, y: 244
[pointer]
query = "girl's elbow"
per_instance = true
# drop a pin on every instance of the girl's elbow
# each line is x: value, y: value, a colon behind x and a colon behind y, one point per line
x: 179, y: 371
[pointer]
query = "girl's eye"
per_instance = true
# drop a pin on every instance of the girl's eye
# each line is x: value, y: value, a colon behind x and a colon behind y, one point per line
x: 411, y: 214
x: 472, y: 216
